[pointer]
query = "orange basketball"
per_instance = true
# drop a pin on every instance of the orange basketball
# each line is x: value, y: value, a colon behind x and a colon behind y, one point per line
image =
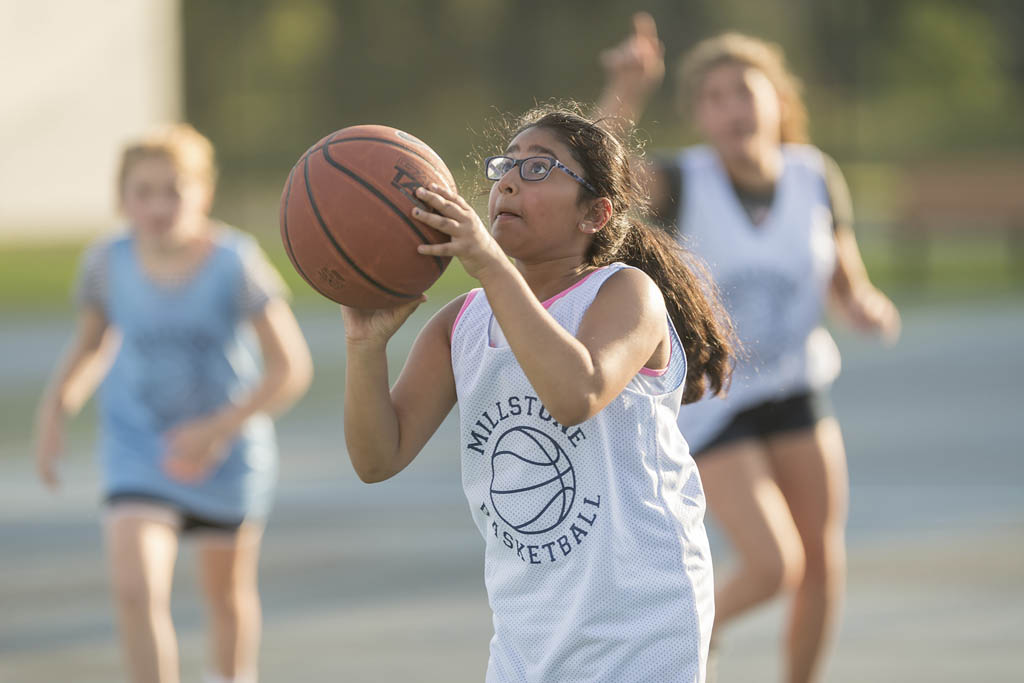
x: 346, y: 216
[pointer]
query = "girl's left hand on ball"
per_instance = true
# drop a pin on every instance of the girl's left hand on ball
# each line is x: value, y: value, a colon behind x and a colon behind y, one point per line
x: 194, y: 449
x: 471, y: 242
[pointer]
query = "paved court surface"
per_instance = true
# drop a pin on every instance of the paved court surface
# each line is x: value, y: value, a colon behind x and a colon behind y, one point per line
x: 384, y: 582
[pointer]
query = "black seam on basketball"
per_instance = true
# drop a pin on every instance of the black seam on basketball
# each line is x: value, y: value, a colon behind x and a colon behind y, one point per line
x: 386, y: 142
x: 284, y: 229
x: 341, y: 252
x: 331, y: 141
x: 387, y: 202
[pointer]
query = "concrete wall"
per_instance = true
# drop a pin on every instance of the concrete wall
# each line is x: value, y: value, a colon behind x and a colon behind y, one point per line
x: 78, y: 79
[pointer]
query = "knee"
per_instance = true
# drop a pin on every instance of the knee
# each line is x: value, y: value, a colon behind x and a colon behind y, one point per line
x: 825, y: 558
x: 233, y: 602
x: 777, y: 570
x: 134, y: 595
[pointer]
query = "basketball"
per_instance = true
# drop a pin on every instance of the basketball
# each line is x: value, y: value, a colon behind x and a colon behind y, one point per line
x: 533, y: 484
x: 346, y: 217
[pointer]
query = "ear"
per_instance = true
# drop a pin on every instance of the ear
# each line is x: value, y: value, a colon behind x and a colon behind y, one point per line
x: 596, y: 216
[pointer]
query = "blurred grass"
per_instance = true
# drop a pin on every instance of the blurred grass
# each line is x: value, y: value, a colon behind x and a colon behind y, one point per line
x: 39, y: 279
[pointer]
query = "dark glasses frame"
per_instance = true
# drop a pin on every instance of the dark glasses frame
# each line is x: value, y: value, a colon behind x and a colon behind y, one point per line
x: 555, y: 163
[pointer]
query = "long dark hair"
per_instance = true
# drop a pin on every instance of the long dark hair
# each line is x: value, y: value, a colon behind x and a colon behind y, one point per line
x: 691, y: 298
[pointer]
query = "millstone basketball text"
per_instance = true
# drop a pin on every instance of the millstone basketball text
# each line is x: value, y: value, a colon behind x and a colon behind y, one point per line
x: 514, y: 406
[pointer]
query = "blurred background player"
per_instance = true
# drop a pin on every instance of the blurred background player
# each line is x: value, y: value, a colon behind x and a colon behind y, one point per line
x: 771, y: 216
x: 187, y: 444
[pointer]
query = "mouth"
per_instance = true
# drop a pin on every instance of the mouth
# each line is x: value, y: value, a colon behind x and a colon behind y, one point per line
x: 505, y: 215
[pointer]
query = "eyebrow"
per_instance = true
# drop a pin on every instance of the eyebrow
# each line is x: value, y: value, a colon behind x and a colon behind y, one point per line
x: 532, y: 148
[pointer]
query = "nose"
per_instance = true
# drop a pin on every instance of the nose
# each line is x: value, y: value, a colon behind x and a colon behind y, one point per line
x: 509, y: 183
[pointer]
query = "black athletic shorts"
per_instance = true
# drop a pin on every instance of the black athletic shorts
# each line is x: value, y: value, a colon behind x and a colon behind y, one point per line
x: 187, y: 521
x: 801, y: 411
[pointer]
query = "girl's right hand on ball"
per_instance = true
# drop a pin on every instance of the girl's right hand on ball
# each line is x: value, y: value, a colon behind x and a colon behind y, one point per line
x: 376, y: 326
x: 470, y: 242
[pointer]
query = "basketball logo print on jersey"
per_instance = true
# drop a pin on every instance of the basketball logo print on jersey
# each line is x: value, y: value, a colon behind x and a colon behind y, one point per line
x: 534, y: 504
x: 533, y: 483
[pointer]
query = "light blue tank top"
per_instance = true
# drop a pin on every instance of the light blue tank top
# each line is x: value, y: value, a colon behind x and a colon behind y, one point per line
x: 186, y: 351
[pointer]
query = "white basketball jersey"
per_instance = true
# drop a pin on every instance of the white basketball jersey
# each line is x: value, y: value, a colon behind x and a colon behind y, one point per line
x: 597, y: 563
x: 774, y: 278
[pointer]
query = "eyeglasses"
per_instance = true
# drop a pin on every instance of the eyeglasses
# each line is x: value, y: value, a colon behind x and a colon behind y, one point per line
x: 530, y: 168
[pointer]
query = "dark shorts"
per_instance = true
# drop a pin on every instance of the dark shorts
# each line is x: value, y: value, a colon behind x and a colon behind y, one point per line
x: 801, y: 411
x: 187, y: 522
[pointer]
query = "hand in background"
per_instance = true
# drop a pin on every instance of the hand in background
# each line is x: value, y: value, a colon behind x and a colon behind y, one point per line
x: 871, y: 311
x: 49, y: 445
x: 635, y: 67
x: 195, y: 449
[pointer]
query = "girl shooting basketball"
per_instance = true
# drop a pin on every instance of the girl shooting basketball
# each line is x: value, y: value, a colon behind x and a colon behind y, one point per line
x: 772, y: 216
x: 186, y: 443
x: 569, y: 366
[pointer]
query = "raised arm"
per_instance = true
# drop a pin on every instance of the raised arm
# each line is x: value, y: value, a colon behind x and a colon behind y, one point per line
x: 633, y: 71
x: 385, y: 428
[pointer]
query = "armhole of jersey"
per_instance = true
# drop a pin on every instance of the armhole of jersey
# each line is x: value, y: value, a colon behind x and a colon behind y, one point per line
x: 665, y: 380
x: 465, y: 304
x: 658, y: 381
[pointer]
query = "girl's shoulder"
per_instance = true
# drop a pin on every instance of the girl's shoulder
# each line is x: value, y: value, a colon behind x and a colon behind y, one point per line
x: 451, y: 313
x: 229, y: 239
x: 249, y: 266
x: 626, y: 282
x: 105, y: 244
x: 91, y: 286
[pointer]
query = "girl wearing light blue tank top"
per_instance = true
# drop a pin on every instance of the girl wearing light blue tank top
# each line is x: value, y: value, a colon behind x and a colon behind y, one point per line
x: 771, y: 216
x: 569, y: 364
x: 184, y: 322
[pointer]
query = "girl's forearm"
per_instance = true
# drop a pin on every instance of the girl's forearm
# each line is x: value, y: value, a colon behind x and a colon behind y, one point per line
x: 78, y: 374
x: 283, y: 384
x: 371, y: 423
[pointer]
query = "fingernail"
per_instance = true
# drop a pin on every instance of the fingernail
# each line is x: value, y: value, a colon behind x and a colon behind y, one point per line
x: 433, y: 186
x: 416, y: 211
x: 420, y: 189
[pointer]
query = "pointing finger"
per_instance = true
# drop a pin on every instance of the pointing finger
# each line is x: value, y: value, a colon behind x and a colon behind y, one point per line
x: 644, y: 26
